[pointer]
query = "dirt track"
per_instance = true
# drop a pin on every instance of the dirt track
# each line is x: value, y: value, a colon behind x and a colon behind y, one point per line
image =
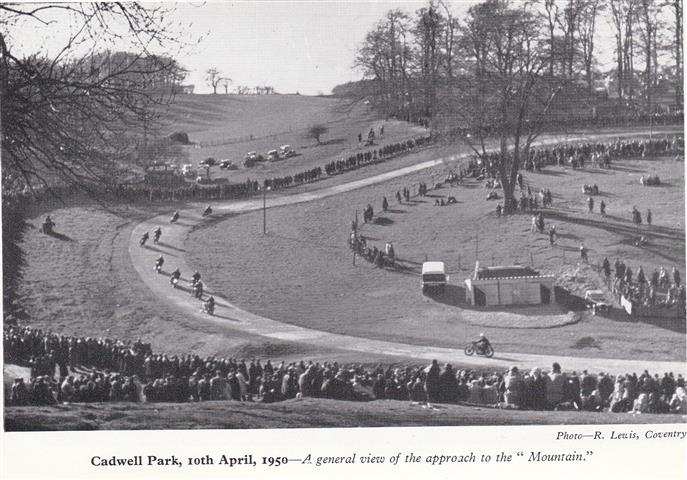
x: 227, y: 314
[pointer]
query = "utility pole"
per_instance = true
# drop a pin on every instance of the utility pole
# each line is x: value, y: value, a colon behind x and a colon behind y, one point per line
x: 264, y: 210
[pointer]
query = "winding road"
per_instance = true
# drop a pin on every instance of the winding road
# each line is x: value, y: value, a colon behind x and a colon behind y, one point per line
x: 172, y: 246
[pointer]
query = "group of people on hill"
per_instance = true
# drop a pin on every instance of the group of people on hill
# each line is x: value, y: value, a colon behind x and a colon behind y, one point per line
x: 376, y: 155
x: 190, y: 378
x: 657, y: 288
x: 578, y: 155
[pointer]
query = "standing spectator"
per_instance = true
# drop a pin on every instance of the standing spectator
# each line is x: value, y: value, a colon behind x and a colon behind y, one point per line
x: 432, y: 382
x: 590, y: 204
x: 606, y: 268
x: 583, y: 253
x: 648, y: 216
x: 602, y: 207
x: 448, y: 385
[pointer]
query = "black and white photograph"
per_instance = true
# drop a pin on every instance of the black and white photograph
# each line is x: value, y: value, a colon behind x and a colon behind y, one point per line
x: 249, y: 216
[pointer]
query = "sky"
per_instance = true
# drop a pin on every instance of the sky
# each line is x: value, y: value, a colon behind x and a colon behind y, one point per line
x: 293, y: 46
x: 301, y: 46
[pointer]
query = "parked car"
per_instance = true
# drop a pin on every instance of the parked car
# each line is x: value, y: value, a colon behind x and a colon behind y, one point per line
x: 228, y: 164
x: 187, y: 170
x: 252, y: 158
x: 286, y: 151
x: 596, y: 301
x: 208, y: 162
x: 273, y: 156
x: 434, y: 277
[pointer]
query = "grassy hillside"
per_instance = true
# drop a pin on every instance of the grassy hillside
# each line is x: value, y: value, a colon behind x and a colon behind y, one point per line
x: 229, y: 126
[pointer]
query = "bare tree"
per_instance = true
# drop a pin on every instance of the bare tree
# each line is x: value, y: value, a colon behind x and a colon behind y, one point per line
x: 213, y: 77
x: 77, y: 116
x: 678, y: 51
x: 316, y: 131
x: 508, y: 97
x: 226, y: 81
x: 587, y: 35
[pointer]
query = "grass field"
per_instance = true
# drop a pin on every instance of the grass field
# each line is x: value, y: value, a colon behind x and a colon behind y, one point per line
x: 307, y: 413
x: 302, y: 272
x: 229, y: 126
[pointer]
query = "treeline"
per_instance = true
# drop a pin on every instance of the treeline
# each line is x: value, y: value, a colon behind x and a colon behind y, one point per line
x: 414, y: 63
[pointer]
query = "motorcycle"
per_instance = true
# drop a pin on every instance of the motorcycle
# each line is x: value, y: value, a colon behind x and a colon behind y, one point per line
x: 156, y: 235
x: 473, y: 348
x: 208, y: 308
x: 144, y: 239
x: 208, y: 211
x: 174, y: 281
x: 174, y: 218
x: 47, y: 227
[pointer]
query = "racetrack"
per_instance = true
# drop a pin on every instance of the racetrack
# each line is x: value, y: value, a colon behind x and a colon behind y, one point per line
x: 229, y: 315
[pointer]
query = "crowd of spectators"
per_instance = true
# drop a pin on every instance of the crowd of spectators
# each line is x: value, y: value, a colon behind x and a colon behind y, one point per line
x: 578, y: 155
x: 189, y: 378
x: 659, y: 288
x: 375, y: 155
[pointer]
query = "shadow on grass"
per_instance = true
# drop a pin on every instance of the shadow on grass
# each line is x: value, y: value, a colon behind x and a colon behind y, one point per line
x: 155, y: 249
x: 59, y: 236
x: 553, y: 173
x: 167, y: 245
x: 334, y: 141
x: 383, y: 221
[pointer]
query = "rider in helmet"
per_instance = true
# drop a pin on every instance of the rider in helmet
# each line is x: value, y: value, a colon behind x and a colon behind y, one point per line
x: 195, y: 278
x: 482, y: 343
x: 144, y: 238
x: 208, y: 211
x: 175, y: 216
x: 158, y: 263
x: 210, y: 305
x: 157, y: 233
x: 198, y: 290
x: 175, y: 276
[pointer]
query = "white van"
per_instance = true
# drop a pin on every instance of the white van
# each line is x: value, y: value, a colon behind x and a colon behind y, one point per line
x: 286, y: 151
x: 434, y: 276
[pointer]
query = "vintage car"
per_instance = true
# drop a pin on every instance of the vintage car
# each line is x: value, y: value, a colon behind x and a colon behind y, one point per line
x: 228, y: 164
x: 434, y: 277
x: 286, y: 151
x: 596, y: 301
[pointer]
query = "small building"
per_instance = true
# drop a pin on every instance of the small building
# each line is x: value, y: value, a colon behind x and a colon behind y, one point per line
x: 508, y: 285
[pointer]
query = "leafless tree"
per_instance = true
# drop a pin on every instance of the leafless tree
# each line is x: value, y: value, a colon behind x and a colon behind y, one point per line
x: 226, y: 81
x: 509, y: 96
x: 316, y: 131
x: 213, y: 77
x: 76, y: 115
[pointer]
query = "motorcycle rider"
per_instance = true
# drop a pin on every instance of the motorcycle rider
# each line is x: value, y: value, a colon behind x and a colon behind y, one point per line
x: 158, y: 264
x: 48, y: 224
x: 195, y: 278
x: 144, y: 239
x: 174, y: 278
x: 207, y: 211
x: 198, y: 289
x: 482, y: 344
x: 157, y: 233
x: 209, y: 306
x: 175, y: 216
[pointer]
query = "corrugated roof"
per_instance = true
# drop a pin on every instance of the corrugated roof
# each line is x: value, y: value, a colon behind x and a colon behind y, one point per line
x: 486, y: 273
